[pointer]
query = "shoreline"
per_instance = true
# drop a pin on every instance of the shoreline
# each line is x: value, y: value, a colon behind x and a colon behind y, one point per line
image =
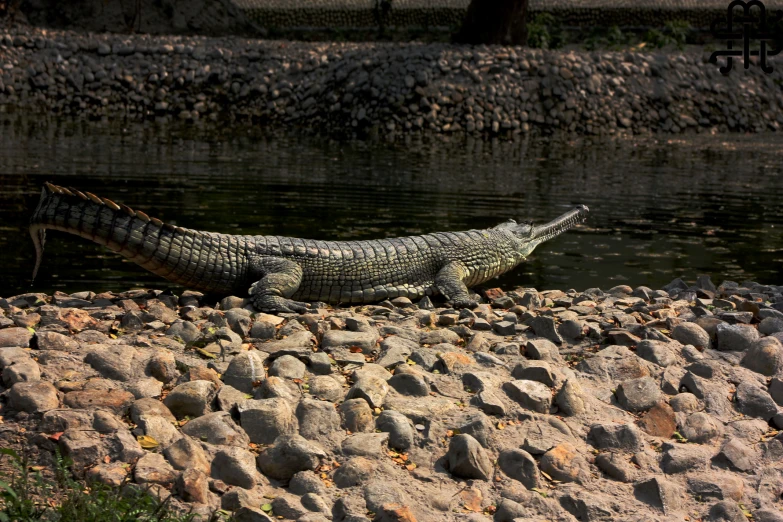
x: 537, y: 404
x: 381, y: 89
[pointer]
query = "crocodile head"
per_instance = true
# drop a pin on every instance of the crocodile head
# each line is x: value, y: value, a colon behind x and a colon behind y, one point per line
x: 530, y: 236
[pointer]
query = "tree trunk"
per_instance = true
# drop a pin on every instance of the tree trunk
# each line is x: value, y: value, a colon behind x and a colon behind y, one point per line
x: 494, y: 22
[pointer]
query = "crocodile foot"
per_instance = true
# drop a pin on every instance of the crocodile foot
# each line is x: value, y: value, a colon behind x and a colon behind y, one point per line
x: 276, y: 304
x: 465, y: 302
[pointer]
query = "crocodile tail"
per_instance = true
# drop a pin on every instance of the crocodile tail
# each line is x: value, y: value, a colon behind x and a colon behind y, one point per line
x: 131, y: 233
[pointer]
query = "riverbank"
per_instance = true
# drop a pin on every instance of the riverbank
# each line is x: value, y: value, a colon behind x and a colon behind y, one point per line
x: 609, y: 405
x: 356, y: 89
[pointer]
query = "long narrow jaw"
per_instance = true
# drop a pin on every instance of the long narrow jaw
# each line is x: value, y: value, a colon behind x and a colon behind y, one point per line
x: 541, y: 233
x: 530, y: 236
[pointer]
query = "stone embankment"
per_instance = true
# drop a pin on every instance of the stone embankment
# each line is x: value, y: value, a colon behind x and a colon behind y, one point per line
x: 356, y: 89
x: 626, y: 404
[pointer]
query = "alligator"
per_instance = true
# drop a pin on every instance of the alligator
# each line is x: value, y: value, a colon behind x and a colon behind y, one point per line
x: 280, y: 273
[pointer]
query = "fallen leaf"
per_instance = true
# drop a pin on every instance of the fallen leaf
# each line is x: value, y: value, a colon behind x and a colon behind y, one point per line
x: 147, y: 442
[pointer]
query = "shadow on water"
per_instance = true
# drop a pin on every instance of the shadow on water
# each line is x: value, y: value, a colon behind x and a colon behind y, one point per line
x: 660, y: 208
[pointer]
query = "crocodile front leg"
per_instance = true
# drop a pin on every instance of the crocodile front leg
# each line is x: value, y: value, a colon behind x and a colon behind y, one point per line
x: 279, y: 280
x: 450, y: 283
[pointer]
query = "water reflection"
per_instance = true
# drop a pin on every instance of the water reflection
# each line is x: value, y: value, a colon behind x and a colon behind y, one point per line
x: 659, y: 208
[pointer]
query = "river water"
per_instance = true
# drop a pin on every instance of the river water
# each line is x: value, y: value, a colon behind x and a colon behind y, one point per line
x: 660, y: 208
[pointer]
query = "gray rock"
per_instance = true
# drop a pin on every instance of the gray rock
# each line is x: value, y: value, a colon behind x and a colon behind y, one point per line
x: 113, y: 362
x: 186, y: 453
x: 736, y: 456
x: 250, y: 514
x: 337, y: 339
x: 235, y: 467
x: 150, y: 407
x: 717, y: 485
x: 659, y: 493
x: 767, y: 515
x: 765, y: 356
x: 288, y: 367
x: 489, y: 402
x: 244, y: 370
x: 409, y: 383
x: 354, y: 472
x: 266, y: 419
x: 290, y: 455
x: 520, y: 465
x: 545, y: 327
x: 55, y: 341
x: 326, y: 388
x: 21, y: 371
x: 616, y: 466
x: 365, y: 444
x: 691, y: 333
x: 571, y: 399
x: 542, y: 349
x: 152, y: 468
x: 439, y: 337
x: 288, y: 507
x: 735, y: 337
x: 726, y: 511
x: 467, y: 459
x: 185, y: 330
x: 191, y: 399
x: 656, y: 352
x: 616, y: 436
x: 530, y: 394
x: 380, y: 493
x: 148, y: 387
x: 306, y: 482
x: 357, y: 416
x: 685, y: 402
x: 370, y: 388
x: 320, y: 363
x: 228, y: 398
x: 396, y: 350
x: 33, y: 397
x: 539, y: 371
x: 681, y: 458
x: 771, y: 325
x: 701, y: 428
x: 317, y: 419
x: 399, y: 428
x: 240, y: 498
x: 638, y: 395
x: 159, y: 428
x: 754, y: 401
x: 238, y: 320
x: 15, y: 337
x: 776, y: 390
x: 216, y: 428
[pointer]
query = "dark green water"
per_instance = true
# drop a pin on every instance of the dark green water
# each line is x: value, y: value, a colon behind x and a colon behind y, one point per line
x: 659, y: 209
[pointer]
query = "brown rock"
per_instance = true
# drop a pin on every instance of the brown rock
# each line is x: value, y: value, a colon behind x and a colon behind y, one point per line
x: 193, y: 486
x: 395, y: 513
x: 563, y: 463
x: 20, y: 337
x: 112, y: 474
x: 659, y: 421
x: 76, y: 320
x: 117, y: 401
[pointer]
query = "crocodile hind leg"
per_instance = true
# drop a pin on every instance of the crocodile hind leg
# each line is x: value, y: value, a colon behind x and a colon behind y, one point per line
x: 450, y: 282
x: 279, y: 280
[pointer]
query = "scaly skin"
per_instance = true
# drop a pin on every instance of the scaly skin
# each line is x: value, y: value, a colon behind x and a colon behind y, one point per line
x: 281, y: 272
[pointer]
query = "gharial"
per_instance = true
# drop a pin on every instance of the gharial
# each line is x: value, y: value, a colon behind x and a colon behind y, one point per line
x: 281, y: 272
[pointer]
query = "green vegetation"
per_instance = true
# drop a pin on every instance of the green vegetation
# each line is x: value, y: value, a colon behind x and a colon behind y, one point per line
x: 674, y: 33
x: 26, y: 496
x: 544, y: 32
x: 600, y: 38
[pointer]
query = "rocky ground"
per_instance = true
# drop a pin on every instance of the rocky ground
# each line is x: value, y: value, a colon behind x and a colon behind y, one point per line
x: 355, y: 89
x: 626, y: 404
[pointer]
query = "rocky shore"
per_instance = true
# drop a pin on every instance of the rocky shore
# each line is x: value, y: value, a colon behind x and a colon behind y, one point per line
x: 624, y: 404
x: 359, y: 89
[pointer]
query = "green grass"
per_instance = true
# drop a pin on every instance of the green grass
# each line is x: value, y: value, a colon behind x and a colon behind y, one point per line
x: 26, y: 496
